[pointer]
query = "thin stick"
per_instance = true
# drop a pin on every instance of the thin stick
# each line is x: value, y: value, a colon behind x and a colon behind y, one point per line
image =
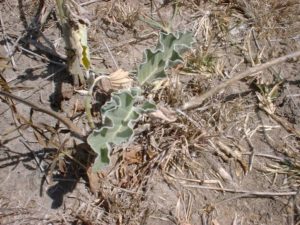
x: 89, y: 2
x: 248, y: 139
x: 284, y: 123
x: 42, y: 57
x: 111, y: 55
x: 257, y: 193
x: 36, y: 160
x: 7, y: 43
x: 72, y: 127
x: 197, y: 101
x: 189, y: 118
x: 15, y: 45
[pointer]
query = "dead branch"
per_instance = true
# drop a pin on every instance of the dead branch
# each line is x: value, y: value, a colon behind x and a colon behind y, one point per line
x: 72, y: 127
x: 256, y: 193
x: 197, y: 101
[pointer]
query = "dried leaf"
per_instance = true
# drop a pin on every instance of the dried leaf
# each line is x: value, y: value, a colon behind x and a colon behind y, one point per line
x: 120, y: 79
x: 94, y: 180
x: 151, y: 153
x: 74, y: 27
x: 62, y: 166
x: 232, y: 153
x: 115, y: 81
x: 79, y: 33
x: 133, y: 156
x: 266, y: 104
x: 164, y: 113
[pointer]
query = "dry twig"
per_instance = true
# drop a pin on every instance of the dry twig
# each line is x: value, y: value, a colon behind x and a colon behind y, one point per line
x: 256, y: 193
x: 197, y: 101
x: 6, y: 43
x: 72, y: 127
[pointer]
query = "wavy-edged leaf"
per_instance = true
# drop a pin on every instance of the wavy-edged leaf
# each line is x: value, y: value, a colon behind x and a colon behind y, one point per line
x: 167, y: 53
x: 119, y: 116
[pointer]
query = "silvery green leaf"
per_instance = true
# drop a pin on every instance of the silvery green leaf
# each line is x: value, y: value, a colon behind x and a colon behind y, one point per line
x: 119, y: 116
x: 167, y: 53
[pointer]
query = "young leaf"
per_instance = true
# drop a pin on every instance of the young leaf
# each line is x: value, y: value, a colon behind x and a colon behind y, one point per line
x: 119, y: 116
x: 167, y: 53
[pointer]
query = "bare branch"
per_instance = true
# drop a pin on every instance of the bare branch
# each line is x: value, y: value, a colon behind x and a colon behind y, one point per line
x: 197, y: 101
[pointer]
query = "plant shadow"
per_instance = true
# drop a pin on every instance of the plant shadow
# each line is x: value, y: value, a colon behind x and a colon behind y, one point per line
x: 64, y: 180
x: 34, y: 44
x: 75, y: 170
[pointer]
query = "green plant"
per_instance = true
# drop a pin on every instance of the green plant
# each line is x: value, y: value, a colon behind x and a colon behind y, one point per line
x: 123, y: 110
x: 202, y: 62
x: 162, y: 25
x: 126, y: 106
x: 119, y: 116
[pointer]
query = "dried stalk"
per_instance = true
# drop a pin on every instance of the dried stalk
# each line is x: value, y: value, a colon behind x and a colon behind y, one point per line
x: 72, y: 127
x: 69, y: 26
x: 197, y: 101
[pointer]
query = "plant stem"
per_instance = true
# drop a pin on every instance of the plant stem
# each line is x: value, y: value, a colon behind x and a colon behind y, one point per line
x: 88, y: 110
x: 70, y: 42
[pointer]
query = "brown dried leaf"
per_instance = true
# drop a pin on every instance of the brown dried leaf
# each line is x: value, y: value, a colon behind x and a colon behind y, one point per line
x: 3, y: 83
x: 120, y: 79
x: 117, y: 80
x: 94, y: 180
x: 151, y: 153
x: 232, y: 153
x: 133, y: 156
x: 217, y: 167
x: 164, y: 113
x: 62, y: 166
x: 105, y: 85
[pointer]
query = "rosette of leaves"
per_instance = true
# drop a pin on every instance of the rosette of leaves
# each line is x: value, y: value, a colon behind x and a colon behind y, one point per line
x: 124, y: 109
